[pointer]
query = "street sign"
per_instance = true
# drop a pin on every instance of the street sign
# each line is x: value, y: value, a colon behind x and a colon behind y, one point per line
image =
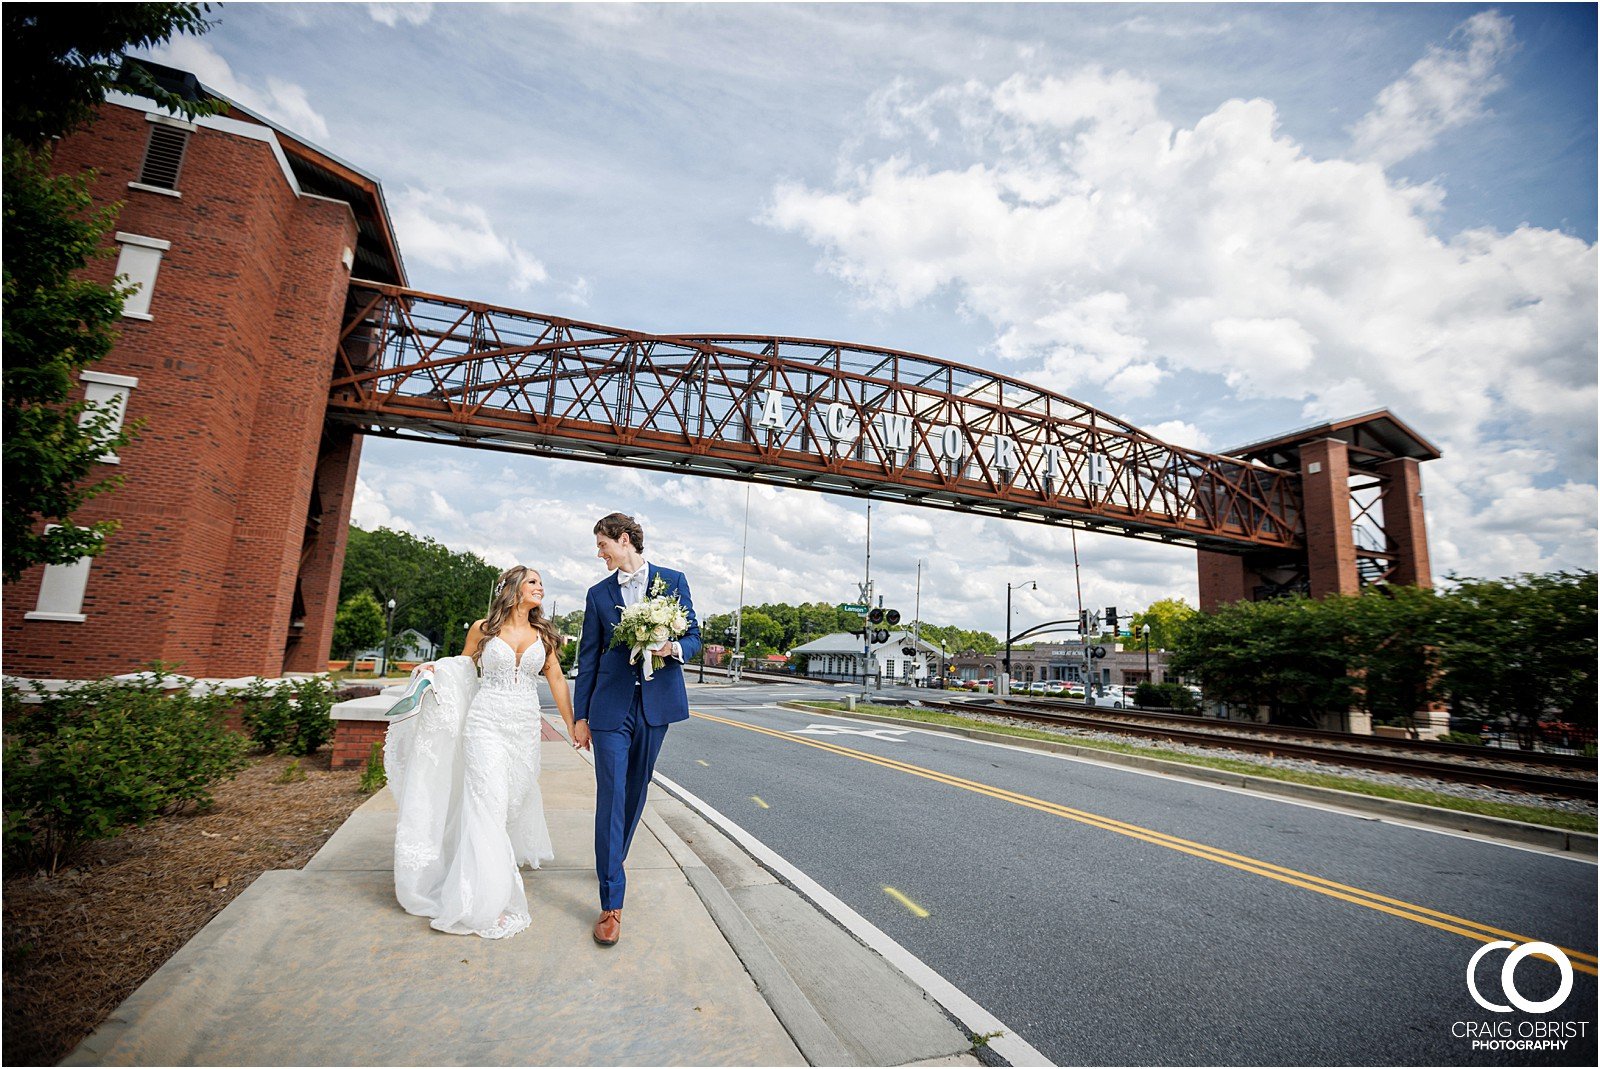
x: 862, y: 609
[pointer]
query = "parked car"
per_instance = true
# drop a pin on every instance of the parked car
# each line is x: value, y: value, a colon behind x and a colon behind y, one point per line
x: 1111, y: 699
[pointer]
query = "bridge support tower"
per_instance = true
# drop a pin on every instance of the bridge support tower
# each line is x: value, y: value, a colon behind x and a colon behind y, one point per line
x: 1361, y: 489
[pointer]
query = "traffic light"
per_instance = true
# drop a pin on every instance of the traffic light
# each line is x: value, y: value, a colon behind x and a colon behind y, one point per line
x: 1111, y: 620
x: 1083, y: 622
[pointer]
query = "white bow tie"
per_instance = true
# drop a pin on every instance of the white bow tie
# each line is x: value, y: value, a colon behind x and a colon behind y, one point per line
x: 632, y: 578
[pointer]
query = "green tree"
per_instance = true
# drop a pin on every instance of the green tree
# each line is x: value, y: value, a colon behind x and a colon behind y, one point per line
x: 1522, y: 649
x: 55, y: 324
x: 436, y: 590
x: 358, y: 625
x: 1167, y: 619
x: 61, y: 60
x: 1291, y: 655
x: 1394, y: 634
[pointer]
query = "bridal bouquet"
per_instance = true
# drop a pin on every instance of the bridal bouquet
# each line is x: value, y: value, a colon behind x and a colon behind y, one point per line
x: 647, y: 624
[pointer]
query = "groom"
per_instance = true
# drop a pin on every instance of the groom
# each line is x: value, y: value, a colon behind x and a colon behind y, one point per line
x: 622, y: 713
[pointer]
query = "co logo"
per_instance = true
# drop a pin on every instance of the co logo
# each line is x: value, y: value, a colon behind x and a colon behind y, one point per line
x: 1508, y: 977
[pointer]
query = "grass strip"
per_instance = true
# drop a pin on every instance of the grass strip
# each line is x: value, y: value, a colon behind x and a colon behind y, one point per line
x: 1527, y: 814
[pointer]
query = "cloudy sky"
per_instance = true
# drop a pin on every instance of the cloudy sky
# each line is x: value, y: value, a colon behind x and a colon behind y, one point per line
x: 1217, y: 222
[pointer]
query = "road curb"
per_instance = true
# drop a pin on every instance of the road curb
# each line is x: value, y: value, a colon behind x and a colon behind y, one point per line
x: 793, y: 1010
x: 1556, y: 839
x: 966, y: 1018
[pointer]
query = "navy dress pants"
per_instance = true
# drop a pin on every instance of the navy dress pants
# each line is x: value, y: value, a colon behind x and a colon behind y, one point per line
x: 623, y: 762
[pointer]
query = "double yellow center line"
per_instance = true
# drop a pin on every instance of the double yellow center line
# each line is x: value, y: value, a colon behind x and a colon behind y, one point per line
x: 1445, y: 922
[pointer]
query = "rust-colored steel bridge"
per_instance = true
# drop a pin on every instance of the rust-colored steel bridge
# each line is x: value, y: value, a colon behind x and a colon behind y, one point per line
x: 855, y: 420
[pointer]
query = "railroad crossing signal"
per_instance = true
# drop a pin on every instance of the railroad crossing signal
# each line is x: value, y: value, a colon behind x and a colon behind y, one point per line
x: 877, y: 617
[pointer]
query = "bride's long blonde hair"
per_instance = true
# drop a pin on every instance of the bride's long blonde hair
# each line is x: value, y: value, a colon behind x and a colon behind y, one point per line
x: 507, y: 596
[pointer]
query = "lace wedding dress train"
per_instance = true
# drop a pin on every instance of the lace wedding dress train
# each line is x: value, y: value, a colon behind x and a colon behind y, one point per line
x: 464, y: 772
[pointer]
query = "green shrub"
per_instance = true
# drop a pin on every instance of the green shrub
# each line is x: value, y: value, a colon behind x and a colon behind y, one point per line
x: 1170, y: 695
x: 292, y: 773
x: 83, y: 764
x: 1464, y: 737
x: 373, y: 776
x: 293, y: 718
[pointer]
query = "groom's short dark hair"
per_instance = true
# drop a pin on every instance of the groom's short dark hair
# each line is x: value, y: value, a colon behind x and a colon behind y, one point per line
x: 616, y: 525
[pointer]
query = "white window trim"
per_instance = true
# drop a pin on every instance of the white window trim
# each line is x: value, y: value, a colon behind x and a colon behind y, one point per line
x: 126, y: 384
x: 156, y: 189
x: 107, y: 379
x: 53, y: 615
x: 170, y: 120
x: 146, y: 242
x: 147, y: 288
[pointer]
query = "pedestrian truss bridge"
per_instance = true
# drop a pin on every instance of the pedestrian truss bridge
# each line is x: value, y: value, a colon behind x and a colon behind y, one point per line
x: 798, y: 412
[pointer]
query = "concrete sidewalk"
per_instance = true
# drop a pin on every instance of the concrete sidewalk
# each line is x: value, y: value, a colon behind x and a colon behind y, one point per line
x: 322, y: 967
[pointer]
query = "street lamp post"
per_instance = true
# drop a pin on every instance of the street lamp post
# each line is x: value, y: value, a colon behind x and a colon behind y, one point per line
x: 1005, y: 685
x: 1145, y: 631
x: 388, y: 628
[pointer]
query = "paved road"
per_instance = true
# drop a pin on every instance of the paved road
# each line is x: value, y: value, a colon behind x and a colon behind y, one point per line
x: 1119, y: 918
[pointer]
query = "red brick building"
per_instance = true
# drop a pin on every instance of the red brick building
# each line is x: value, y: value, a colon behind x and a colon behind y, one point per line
x: 243, y: 238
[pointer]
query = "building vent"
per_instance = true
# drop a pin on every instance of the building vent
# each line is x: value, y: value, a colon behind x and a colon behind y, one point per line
x: 164, y: 156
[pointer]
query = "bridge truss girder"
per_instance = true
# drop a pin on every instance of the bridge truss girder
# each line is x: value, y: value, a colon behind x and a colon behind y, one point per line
x: 917, y: 429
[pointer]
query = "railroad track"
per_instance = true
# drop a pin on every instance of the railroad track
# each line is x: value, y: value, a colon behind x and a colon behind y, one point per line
x: 1541, y: 773
x: 1446, y: 761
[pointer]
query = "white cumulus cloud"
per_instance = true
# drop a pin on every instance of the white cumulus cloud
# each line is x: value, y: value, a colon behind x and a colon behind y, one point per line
x: 1110, y: 248
x: 1444, y: 89
x: 438, y: 230
x: 394, y: 14
x: 285, y: 103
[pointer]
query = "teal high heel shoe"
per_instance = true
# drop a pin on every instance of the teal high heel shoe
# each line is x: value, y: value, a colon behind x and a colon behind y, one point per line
x: 411, y: 700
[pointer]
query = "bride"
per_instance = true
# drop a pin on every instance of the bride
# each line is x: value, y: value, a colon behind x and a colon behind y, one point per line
x: 464, y: 769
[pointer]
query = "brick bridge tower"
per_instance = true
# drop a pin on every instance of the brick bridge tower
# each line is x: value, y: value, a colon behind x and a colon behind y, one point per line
x: 1361, y: 494
x: 234, y: 513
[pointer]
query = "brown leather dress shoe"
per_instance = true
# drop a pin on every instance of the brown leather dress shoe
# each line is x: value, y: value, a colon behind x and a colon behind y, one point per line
x: 608, y: 929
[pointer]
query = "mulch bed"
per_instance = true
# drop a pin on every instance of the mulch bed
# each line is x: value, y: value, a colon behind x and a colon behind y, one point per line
x: 80, y: 941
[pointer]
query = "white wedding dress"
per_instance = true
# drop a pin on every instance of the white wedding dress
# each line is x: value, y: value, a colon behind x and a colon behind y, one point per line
x: 464, y: 771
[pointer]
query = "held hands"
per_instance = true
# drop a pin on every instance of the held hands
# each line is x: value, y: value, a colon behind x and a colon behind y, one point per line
x: 665, y: 650
x: 580, y: 735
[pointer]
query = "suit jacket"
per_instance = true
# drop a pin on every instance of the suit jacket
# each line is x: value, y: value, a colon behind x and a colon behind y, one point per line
x: 607, y: 682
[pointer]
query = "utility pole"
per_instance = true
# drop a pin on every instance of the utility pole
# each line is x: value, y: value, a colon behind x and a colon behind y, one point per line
x: 916, y: 622
x: 736, y: 672
x: 866, y: 599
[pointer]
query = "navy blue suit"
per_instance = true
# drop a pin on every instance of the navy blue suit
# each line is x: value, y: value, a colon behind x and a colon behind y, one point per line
x: 628, y: 717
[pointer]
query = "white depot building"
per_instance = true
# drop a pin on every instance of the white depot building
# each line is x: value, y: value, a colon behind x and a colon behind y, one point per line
x: 841, y: 656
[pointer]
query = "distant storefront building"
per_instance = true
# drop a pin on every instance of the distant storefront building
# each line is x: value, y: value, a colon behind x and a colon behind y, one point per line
x: 1064, y: 662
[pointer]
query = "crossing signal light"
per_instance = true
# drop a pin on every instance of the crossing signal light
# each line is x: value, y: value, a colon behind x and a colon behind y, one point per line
x: 875, y: 617
x: 892, y: 617
x: 880, y: 636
